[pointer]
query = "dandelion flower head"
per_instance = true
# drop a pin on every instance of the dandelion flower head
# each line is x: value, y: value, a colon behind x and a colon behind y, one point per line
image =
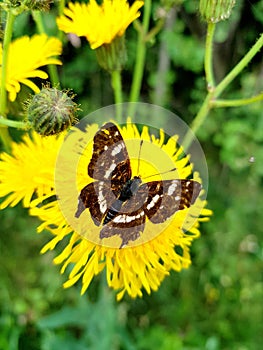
x: 29, y: 170
x: 142, y: 264
x: 25, y: 56
x: 100, y: 24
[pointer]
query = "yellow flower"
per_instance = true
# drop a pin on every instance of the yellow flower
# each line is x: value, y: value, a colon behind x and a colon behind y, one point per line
x: 29, y: 170
x: 100, y: 24
x: 143, y: 263
x: 25, y: 56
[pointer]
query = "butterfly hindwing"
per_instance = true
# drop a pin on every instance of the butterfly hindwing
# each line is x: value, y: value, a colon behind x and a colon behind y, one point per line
x: 157, y: 200
x: 97, y: 197
x: 126, y: 225
x: 126, y: 218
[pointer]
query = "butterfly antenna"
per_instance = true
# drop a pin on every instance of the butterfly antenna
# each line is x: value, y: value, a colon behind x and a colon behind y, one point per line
x: 164, y: 172
x: 139, y: 157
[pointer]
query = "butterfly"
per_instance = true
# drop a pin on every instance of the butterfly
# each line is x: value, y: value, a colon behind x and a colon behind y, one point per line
x: 120, y: 203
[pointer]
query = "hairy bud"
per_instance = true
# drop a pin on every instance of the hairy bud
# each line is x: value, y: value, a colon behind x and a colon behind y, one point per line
x: 51, y: 111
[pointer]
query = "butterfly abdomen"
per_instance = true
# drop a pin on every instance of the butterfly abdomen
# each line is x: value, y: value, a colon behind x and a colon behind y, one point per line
x: 112, y: 211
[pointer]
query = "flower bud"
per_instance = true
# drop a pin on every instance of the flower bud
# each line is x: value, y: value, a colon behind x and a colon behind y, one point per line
x: 51, y: 111
x: 215, y: 10
x: 112, y: 56
x: 38, y: 5
x: 10, y: 4
x: 25, y: 5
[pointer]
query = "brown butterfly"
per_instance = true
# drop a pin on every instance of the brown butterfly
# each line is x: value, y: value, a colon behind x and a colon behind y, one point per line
x: 121, y: 203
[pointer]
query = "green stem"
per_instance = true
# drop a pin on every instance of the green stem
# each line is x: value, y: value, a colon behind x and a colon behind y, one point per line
x: 12, y: 123
x: 61, y: 7
x: 52, y: 69
x: 197, y: 122
x: 117, y: 88
x: 140, y: 56
x: 39, y: 21
x: 6, y: 43
x: 209, y: 56
x: 210, y: 100
x: 236, y: 103
x: 205, y: 108
x: 3, y: 93
x: 239, y: 67
x: 154, y: 31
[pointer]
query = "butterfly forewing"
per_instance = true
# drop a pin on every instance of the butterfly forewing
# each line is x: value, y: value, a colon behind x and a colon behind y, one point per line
x: 110, y: 160
x: 168, y: 196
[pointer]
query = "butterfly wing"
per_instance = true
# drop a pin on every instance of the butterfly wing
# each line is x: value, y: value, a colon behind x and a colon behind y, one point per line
x: 157, y: 200
x: 127, y: 226
x: 110, y: 160
x: 168, y: 196
x: 129, y: 222
x: 110, y: 164
x: 97, y: 197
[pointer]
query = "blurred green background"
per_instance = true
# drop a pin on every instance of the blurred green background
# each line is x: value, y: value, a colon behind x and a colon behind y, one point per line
x: 217, y: 304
